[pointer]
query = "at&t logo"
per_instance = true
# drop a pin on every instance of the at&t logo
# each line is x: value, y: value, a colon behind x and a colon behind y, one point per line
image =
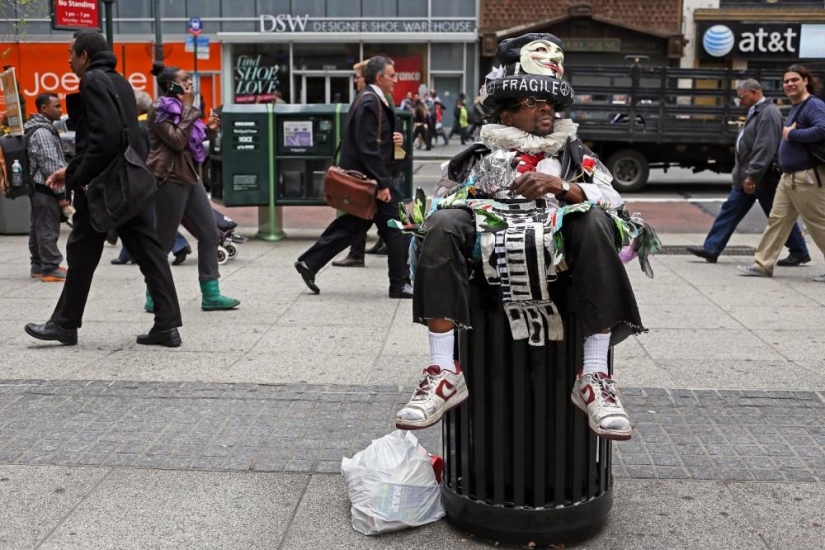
x: 718, y: 40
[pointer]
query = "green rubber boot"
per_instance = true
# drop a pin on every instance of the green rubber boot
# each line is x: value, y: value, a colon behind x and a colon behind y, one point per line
x: 212, y: 300
x: 150, y: 303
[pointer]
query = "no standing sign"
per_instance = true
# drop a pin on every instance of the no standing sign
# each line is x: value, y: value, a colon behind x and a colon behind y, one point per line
x: 72, y: 15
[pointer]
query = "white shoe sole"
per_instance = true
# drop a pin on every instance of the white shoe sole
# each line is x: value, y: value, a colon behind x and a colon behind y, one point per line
x: 614, y: 435
x: 458, y: 398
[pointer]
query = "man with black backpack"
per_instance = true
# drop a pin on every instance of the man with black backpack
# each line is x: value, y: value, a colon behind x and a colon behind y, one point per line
x: 45, y: 157
x: 104, y: 113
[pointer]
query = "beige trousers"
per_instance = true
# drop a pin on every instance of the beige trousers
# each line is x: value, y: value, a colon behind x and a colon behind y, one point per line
x: 798, y: 195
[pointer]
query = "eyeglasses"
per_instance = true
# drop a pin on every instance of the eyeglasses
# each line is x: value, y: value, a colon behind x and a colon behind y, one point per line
x: 532, y: 102
x: 742, y: 96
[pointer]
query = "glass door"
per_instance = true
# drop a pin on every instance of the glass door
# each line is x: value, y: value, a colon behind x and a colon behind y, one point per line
x: 324, y: 88
x: 448, y: 88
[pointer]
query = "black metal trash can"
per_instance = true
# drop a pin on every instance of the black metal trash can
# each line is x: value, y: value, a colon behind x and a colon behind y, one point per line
x: 520, y: 463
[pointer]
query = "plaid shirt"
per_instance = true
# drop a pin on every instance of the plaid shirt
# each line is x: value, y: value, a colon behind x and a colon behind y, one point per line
x: 45, y: 149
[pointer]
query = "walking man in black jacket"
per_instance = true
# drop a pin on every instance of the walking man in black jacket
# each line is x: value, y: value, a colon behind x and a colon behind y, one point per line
x: 95, y: 111
x: 370, y: 152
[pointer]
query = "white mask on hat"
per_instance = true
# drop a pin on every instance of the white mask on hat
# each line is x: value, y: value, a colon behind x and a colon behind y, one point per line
x: 542, y: 57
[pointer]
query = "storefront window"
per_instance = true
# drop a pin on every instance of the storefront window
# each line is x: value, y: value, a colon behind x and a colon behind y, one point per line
x: 380, y: 8
x: 410, y: 61
x: 454, y: 8
x: 325, y: 57
x: 260, y: 73
x: 344, y: 9
x: 412, y: 8
x: 448, y: 57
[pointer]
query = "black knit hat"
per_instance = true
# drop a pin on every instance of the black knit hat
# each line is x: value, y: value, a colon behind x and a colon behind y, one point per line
x: 530, y: 65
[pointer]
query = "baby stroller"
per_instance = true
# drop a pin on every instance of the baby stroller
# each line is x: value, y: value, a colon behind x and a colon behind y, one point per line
x: 226, y: 237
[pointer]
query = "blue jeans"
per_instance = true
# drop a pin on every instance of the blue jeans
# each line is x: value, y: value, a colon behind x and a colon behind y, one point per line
x: 180, y: 244
x: 735, y: 209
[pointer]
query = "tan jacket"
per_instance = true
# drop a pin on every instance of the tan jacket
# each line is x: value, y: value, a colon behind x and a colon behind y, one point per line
x: 169, y: 156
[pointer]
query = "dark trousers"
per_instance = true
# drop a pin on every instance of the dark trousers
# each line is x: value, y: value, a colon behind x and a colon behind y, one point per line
x: 177, y: 202
x: 601, y: 289
x: 346, y: 229
x: 83, y: 251
x: 736, y: 208
x: 44, y: 231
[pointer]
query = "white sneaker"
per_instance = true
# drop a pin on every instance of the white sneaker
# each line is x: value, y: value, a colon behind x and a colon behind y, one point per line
x: 820, y: 278
x: 438, y: 392
x: 597, y: 395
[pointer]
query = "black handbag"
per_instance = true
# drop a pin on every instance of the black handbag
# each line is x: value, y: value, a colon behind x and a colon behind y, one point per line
x: 124, y: 189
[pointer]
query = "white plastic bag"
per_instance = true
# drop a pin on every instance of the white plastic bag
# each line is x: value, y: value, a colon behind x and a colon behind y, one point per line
x: 392, y: 485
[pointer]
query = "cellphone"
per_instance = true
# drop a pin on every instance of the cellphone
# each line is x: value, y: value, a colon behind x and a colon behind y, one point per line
x: 176, y: 88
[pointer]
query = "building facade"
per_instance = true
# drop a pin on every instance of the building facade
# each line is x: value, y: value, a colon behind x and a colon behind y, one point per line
x: 300, y: 50
x: 757, y: 34
x: 596, y: 32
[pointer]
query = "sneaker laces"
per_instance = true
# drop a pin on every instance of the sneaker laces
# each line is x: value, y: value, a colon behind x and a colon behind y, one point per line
x: 607, y: 388
x: 427, y: 382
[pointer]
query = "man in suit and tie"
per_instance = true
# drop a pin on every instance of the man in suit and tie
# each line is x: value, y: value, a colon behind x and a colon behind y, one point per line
x: 368, y: 146
x: 755, y: 177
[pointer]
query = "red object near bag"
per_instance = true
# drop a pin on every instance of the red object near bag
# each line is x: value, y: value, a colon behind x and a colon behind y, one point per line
x: 438, y: 466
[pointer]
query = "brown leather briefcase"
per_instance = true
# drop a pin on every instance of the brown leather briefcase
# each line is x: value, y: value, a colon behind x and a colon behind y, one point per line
x: 350, y: 191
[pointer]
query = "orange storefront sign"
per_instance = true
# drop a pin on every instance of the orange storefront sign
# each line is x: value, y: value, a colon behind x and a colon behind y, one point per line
x: 44, y: 67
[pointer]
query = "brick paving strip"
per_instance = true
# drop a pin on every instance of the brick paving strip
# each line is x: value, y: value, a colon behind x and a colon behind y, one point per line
x: 681, y: 434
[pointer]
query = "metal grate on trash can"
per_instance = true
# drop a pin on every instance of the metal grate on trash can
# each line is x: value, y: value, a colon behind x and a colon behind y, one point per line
x: 520, y: 462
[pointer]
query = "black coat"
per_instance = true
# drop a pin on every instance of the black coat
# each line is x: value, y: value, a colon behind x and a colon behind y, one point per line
x: 361, y: 148
x: 97, y: 121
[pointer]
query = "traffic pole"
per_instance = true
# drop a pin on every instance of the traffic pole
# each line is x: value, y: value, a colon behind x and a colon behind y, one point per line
x: 110, y: 32
x: 158, y: 31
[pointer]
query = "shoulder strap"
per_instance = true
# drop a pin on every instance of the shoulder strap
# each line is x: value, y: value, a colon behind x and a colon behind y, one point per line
x: 799, y: 111
x: 110, y: 87
x: 351, y: 116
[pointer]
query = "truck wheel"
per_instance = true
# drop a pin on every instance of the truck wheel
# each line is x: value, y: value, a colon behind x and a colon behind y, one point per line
x: 630, y: 170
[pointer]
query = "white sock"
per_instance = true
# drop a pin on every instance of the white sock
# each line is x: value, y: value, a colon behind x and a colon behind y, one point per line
x: 441, y: 349
x: 595, y: 353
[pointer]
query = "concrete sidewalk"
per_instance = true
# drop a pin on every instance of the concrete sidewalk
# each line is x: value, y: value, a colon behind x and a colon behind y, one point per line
x: 234, y: 440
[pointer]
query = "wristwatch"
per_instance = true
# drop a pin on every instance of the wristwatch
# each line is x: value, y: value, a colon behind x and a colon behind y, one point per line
x: 565, y: 187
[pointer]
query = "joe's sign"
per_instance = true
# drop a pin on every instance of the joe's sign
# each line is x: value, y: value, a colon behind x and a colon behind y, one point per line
x: 72, y: 15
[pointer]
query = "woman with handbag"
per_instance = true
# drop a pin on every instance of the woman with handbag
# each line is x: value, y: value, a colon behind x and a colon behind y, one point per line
x: 176, y: 151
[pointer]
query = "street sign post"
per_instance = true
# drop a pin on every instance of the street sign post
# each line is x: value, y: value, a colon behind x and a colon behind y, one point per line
x: 195, y: 28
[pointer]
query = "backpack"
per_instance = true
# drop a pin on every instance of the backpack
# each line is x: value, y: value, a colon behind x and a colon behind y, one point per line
x: 16, y: 148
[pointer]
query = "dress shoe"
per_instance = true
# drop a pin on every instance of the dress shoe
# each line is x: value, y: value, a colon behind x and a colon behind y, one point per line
x: 308, y: 275
x: 169, y: 338
x: 379, y: 248
x: 702, y: 253
x: 794, y: 260
x: 118, y: 261
x: 402, y: 293
x: 349, y: 261
x: 180, y: 255
x: 51, y: 331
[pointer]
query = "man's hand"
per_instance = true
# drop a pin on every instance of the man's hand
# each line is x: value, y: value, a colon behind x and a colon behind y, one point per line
x: 786, y: 130
x: 383, y: 195
x: 398, y: 138
x: 57, y: 179
x: 749, y: 186
x: 535, y: 185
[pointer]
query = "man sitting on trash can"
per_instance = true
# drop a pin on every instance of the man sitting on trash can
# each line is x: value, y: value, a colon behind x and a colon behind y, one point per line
x: 533, y: 203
